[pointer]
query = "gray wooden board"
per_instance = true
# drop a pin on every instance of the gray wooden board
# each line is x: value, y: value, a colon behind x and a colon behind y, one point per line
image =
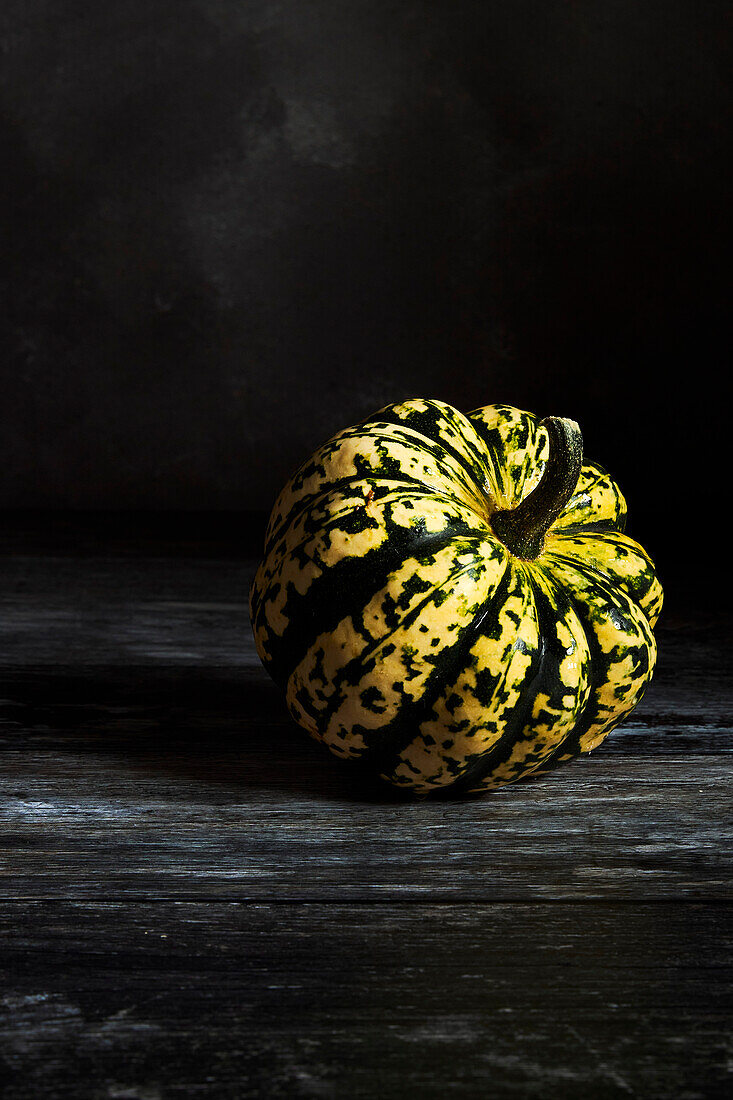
x: 158, y: 613
x: 229, y: 1000
x: 279, y: 824
x: 201, y: 902
x: 146, y: 750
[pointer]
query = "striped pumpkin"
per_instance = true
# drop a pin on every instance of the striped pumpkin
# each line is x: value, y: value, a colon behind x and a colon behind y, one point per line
x: 452, y: 598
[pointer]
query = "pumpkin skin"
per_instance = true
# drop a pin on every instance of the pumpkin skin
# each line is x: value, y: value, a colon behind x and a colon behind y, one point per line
x: 404, y: 631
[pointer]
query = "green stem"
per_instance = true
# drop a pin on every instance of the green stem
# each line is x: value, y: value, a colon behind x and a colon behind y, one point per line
x: 523, y: 529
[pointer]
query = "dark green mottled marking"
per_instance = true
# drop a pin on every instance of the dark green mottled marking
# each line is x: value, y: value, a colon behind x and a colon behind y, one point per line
x: 322, y: 567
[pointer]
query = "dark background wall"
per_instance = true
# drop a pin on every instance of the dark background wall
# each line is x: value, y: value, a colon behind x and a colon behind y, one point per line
x: 233, y: 227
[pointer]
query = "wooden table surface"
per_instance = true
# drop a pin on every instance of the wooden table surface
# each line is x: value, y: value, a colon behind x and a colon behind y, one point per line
x: 198, y: 902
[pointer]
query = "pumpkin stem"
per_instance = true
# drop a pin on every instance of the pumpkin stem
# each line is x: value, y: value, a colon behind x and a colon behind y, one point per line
x: 523, y: 529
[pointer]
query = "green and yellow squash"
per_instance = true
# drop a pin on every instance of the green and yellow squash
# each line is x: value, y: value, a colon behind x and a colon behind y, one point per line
x: 452, y: 598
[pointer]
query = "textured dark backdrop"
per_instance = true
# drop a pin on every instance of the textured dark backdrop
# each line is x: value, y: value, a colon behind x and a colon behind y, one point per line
x: 234, y: 227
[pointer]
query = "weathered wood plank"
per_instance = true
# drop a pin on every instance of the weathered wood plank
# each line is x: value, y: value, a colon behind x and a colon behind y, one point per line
x: 64, y: 617
x: 149, y: 754
x: 138, y: 707
x: 225, y: 1000
x: 120, y: 611
x: 148, y: 757
x: 183, y: 824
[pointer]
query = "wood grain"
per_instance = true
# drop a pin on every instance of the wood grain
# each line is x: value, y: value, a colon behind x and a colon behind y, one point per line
x: 200, y: 902
x: 280, y: 825
x: 229, y: 1000
x: 159, y: 613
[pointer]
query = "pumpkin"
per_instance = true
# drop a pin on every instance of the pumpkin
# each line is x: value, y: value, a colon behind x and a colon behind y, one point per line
x: 451, y: 598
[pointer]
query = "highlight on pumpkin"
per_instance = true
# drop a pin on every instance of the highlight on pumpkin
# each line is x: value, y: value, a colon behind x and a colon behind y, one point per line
x: 451, y: 599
